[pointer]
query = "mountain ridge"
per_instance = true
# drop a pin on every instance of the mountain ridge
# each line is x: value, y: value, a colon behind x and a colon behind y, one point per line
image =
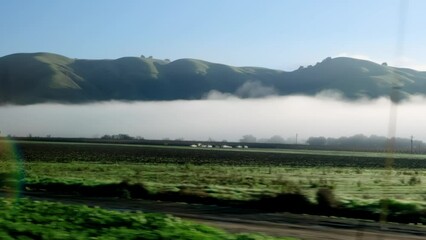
x: 28, y: 78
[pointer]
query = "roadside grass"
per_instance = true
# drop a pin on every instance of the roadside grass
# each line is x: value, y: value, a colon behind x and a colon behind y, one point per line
x: 25, y: 219
x: 326, y: 202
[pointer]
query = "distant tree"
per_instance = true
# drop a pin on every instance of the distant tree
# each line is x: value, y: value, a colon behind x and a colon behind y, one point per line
x: 248, y: 139
x: 317, y: 141
x: 276, y: 139
x: 384, y: 64
x: 106, y: 137
x: 167, y: 60
x: 122, y: 136
x: 373, y: 142
x: 142, y: 56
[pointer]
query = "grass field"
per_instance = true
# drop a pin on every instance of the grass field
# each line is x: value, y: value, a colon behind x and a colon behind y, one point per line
x: 228, y: 174
x: 231, y: 173
x: 239, y: 182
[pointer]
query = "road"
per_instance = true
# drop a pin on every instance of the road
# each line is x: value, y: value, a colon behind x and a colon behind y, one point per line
x: 242, y: 220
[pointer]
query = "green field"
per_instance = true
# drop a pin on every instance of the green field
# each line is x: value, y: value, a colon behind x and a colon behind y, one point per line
x: 357, y: 179
x: 228, y: 173
x: 239, y: 182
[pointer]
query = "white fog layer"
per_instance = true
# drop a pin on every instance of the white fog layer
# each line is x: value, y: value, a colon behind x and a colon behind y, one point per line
x: 220, y: 119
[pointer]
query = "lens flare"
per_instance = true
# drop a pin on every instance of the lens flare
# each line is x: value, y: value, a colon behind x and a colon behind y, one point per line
x: 11, y: 171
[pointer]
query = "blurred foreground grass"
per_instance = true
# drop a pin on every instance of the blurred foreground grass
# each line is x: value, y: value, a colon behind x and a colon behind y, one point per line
x: 25, y: 219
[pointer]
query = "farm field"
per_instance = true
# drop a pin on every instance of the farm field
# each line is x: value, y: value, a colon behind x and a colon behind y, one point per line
x: 230, y: 173
x: 119, y: 153
x: 355, y: 178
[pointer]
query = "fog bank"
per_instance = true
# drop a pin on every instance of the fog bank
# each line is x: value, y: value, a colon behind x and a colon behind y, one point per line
x: 219, y: 119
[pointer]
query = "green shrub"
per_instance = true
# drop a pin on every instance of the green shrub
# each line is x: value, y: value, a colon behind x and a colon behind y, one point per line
x: 414, y: 181
x: 325, y: 198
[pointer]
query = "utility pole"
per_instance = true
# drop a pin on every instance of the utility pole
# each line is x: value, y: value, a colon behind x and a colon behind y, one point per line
x: 411, y: 144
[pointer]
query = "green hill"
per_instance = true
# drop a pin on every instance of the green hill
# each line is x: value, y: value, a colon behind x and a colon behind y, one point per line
x: 27, y: 78
x: 356, y: 78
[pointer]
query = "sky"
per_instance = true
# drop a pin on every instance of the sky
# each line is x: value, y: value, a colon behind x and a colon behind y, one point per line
x: 274, y: 34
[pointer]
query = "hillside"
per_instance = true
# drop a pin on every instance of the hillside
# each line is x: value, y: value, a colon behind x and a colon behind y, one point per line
x: 28, y: 78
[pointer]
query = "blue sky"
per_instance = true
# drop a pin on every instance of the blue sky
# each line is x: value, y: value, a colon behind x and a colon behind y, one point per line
x: 280, y: 34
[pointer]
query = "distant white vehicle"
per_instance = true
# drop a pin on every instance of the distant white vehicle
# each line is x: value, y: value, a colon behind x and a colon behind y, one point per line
x: 193, y: 145
x: 226, y: 146
x: 245, y: 146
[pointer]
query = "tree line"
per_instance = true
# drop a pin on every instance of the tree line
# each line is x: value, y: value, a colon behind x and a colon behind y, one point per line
x: 373, y: 142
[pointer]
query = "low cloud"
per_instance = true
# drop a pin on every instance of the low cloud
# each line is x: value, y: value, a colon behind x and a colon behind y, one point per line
x: 217, y: 95
x: 250, y: 89
x: 229, y: 118
x: 255, y: 89
x: 330, y: 94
